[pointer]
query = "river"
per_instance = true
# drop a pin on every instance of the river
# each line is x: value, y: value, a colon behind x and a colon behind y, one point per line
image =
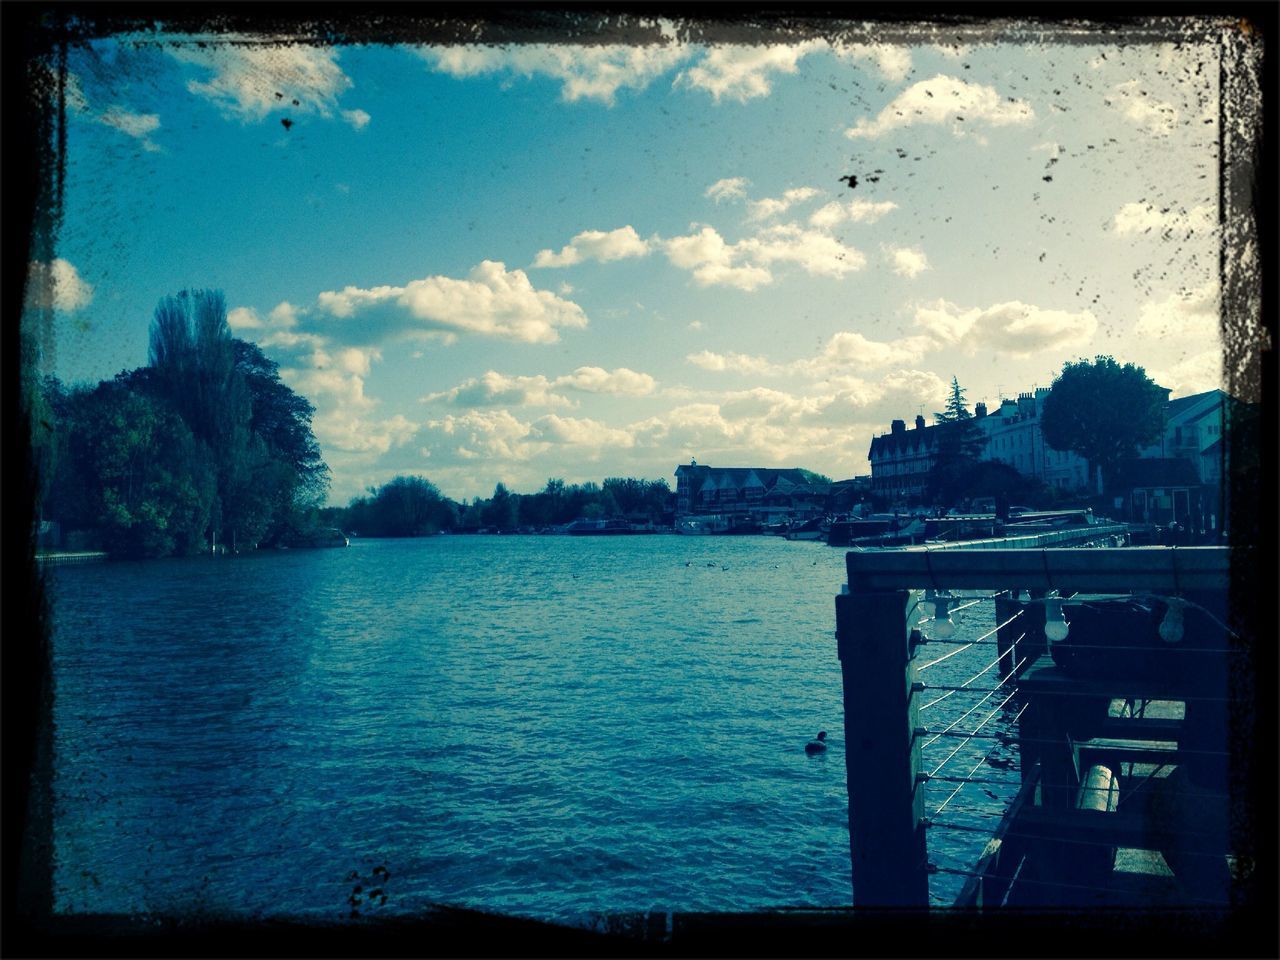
x: 545, y: 726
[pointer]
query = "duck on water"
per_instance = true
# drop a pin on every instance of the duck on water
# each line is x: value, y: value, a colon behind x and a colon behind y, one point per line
x: 817, y: 745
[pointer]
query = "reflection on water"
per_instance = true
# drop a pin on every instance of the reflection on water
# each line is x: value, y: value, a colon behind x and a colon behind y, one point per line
x: 541, y: 725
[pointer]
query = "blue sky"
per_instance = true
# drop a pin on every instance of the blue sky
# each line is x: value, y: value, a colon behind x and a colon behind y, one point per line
x: 490, y: 264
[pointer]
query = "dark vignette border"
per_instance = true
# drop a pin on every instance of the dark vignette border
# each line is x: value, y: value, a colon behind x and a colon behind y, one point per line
x: 32, y: 35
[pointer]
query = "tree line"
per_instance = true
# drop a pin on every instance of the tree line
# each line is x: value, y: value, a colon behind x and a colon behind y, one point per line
x: 204, y: 446
x: 413, y: 506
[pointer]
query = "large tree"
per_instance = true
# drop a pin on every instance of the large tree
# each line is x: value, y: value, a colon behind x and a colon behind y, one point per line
x: 959, y: 446
x: 1103, y: 411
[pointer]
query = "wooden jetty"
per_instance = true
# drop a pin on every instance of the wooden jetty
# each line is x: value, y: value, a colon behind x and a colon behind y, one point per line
x: 79, y: 556
x: 1122, y: 727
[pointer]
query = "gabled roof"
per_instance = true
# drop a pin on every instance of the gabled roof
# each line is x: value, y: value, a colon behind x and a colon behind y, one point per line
x: 1157, y: 472
x: 1176, y: 409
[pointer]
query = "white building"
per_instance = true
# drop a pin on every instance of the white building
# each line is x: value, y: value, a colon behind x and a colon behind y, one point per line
x: 1014, y: 437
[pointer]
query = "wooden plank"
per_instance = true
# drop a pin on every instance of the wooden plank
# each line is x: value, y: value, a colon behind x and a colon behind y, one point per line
x: 998, y: 861
x: 1110, y: 828
x: 1119, y: 570
x: 887, y: 848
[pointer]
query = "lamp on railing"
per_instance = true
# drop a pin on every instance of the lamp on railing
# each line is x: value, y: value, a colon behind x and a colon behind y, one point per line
x: 1171, y: 625
x: 1056, y: 627
x: 942, y: 625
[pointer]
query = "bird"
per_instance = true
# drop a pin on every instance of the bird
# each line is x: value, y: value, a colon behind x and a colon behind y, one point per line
x: 817, y: 745
x: 287, y: 123
x: 849, y: 179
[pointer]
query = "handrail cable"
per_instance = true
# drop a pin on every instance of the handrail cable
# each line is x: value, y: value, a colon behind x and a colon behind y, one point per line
x: 923, y: 731
x: 990, y: 633
x: 964, y: 686
x: 987, y: 718
x: 981, y: 761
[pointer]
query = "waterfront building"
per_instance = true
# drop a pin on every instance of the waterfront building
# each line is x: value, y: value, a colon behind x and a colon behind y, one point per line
x: 763, y: 492
x: 901, y: 460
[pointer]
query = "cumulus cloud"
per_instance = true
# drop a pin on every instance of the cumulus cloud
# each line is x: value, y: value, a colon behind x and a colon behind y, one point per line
x: 712, y: 261
x: 944, y: 99
x: 743, y: 73
x: 620, y: 382
x: 907, y: 261
x: 846, y: 353
x: 1169, y: 221
x: 1190, y: 317
x: 492, y: 302
x: 893, y: 62
x: 727, y: 189
x: 1141, y: 109
x: 499, y: 435
x: 57, y: 285
x: 816, y: 252
x: 772, y: 206
x: 1195, y: 373
x: 595, y: 245
x: 1014, y: 328
x: 250, y: 80
x: 853, y: 211
x: 584, y: 72
x: 495, y: 389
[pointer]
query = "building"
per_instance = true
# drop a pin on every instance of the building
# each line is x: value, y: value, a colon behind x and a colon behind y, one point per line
x: 1014, y: 437
x: 1193, y: 431
x: 901, y: 460
x: 763, y: 492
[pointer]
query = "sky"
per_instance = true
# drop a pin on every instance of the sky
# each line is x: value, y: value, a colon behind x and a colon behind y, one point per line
x: 491, y: 264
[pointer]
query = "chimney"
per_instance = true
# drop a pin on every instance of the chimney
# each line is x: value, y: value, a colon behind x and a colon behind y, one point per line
x: 1026, y: 405
x: 1008, y: 407
x: 919, y: 422
x: 980, y: 409
x: 898, y: 426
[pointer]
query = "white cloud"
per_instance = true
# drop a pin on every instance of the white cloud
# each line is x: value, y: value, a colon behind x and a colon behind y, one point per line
x: 846, y: 352
x: 772, y: 206
x: 944, y: 99
x: 1195, y: 373
x: 1192, y: 318
x: 711, y: 261
x: 908, y: 261
x: 57, y: 285
x: 250, y: 79
x: 735, y: 362
x: 893, y: 62
x: 570, y: 431
x: 585, y: 72
x: 728, y: 188
x: 595, y: 245
x: 1014, y: 328
x: 743, y: 73
x: 620, y: 382
x: 495, y: 389
x: 817, y: 253
x: 1143, y: 110
x: 136, y: 125
x: 358, y: 119
x: 856, y: 211
x: 1145, y: 218
x: 492, y: 302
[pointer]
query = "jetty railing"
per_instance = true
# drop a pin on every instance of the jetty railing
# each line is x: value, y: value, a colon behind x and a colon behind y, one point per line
x: 1074, y: 731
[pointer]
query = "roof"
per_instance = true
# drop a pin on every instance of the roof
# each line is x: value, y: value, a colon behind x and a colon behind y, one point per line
x: 913, y: 437
x: 736, y: 477
x: 1174, y: 409
x: 1157, y: 472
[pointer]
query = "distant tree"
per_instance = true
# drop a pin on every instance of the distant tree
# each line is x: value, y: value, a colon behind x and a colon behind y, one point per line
x: 403, y: 507
x: 814, y: 478
x: 1102, y: 411
x: 960, y: 442
x: 503, y: 509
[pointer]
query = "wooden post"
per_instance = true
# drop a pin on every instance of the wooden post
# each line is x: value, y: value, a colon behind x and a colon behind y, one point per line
x: 887, y: 848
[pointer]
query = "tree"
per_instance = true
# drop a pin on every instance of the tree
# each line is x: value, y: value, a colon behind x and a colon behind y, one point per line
x: 151, y: 484
x: 1103, y: 411
x: 959, y: 446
